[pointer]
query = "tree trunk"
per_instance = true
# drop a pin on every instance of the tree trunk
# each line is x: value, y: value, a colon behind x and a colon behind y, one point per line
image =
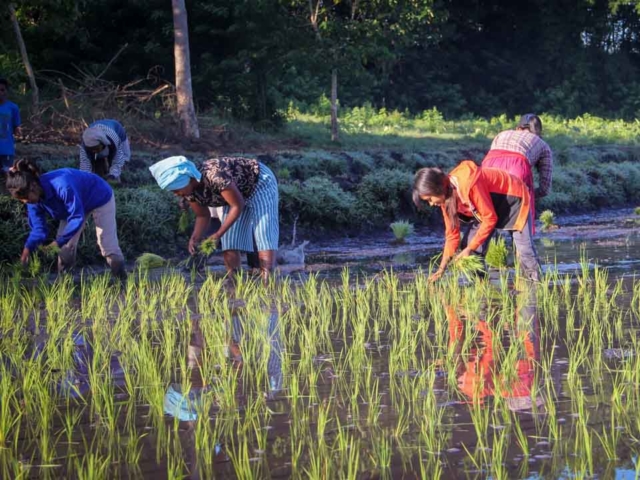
x: 25, y: 57
x: 184, y: 90
x: 334, y: 105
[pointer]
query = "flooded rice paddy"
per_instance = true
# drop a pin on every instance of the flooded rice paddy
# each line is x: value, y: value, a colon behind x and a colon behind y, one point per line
x: 358, y: 374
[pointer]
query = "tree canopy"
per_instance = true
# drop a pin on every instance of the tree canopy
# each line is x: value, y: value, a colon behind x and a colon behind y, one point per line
x: 252, y: 58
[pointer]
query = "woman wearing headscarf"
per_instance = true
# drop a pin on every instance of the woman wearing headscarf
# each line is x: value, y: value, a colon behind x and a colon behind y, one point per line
x: 69, y: 196
x: 247, y: 190
x: 105, y: 149
x: 519, y: 151
x: 488, y: 199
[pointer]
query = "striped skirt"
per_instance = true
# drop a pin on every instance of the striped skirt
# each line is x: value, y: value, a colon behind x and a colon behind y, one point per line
x: 258, y: 219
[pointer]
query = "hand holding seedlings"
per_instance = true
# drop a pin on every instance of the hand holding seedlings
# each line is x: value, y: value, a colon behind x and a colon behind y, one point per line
x: 209, y: 245
x: 50, y: 251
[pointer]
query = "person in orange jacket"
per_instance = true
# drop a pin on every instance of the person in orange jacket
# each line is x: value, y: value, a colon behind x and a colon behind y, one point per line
x: 488, y: 199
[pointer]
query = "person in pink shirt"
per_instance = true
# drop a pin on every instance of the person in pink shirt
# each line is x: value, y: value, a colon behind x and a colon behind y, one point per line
x: 521, y: 150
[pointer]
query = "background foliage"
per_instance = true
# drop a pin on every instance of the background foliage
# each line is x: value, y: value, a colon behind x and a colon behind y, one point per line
x: 253, y: 59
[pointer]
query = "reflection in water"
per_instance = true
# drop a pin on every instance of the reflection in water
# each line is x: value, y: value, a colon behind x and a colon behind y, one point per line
x: 483, y: 373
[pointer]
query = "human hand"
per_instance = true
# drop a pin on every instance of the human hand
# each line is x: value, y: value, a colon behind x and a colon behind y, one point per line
x: 463, y: 254
x: 436, y: 276
x: 113, y: 180
x: 193, y: 245
x: 24, y: 258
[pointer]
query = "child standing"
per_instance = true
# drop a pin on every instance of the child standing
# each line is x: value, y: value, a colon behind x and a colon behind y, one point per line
x: 9, y: 126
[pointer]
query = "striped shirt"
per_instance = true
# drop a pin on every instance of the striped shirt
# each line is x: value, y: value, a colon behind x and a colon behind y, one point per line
x: 119, y: 150
x: 534, y: 148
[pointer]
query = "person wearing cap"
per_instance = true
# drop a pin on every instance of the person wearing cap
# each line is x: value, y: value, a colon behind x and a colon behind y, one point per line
x: 519, y: 151
x: 247, y: 190
x: 105, y: 149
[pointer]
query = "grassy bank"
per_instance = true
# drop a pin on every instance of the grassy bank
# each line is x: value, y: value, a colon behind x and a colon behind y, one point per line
x: 364, y: 182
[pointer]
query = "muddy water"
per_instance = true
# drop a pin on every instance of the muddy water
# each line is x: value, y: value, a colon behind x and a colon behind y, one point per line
x: 485, y: 369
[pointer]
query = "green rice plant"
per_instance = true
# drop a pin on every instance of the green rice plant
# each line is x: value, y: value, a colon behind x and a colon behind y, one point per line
x: 381, y: 448
x: 208, y: 246
x: 92, y: 466
x: 34, y: 267
x: 636, y: 211
x: 497, y: 253
x: 401, y: 230
x: 547, y: 218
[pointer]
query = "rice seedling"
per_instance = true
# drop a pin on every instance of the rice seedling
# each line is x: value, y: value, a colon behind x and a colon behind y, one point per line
x: 497, y: 253
x: 401, y: 230
x: 547, y: 218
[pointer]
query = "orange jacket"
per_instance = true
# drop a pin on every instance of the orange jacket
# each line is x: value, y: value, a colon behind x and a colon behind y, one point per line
x: 495, y: 198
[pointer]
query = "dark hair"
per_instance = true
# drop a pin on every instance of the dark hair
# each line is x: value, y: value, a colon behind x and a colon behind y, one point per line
x: 434, y: 182
x: 4, y: 81
x: 531, y: 122
x: 22, y: 178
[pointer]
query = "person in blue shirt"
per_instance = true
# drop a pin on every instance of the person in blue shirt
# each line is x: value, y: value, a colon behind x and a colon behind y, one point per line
x: 9, y: 127
x: 69, y: 196
x: 105, y: 149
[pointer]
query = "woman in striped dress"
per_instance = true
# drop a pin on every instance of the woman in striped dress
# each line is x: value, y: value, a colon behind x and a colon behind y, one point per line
x: 245, y: 188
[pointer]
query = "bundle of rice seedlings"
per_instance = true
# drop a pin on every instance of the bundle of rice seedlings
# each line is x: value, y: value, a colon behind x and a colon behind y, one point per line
x: 147, y: 261
x: 183, y: 222
x: 497, y: 253
x: 49, y: 251
x: 468, y: 267
x: 402, y: 229
x: 208, y: 246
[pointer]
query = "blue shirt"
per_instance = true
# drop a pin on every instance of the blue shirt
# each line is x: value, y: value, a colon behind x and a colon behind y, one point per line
x: 9, y: 121
x: 69, y: 195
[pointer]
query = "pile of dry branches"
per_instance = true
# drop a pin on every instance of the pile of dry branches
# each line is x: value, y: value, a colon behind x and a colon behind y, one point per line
x: 144, y: 106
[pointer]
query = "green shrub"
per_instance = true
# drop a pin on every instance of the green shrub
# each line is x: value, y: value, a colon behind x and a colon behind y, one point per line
x: 318, y: 203
x: 383, y: 195
x: 13, y: 228
x: 402, y: 229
